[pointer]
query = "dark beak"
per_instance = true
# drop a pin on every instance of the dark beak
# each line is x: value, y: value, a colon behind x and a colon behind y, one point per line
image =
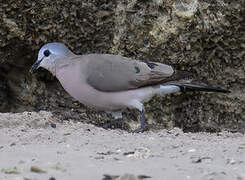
x: 35, y: 66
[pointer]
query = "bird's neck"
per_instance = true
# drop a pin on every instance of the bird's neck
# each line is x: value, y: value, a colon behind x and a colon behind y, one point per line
x: 61, y: 63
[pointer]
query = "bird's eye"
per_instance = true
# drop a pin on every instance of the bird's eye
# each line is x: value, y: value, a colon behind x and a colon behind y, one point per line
x: 46, y: 53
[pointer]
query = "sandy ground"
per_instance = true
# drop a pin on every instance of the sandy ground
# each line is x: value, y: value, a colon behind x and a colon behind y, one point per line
x: 78, y: 151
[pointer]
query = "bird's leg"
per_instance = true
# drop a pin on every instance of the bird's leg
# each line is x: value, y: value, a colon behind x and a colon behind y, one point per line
x: 140, y: 107
x: 143, y: 122
x: 142, y: 119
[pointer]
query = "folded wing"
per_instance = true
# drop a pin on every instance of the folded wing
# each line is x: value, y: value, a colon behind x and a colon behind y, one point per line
x: 116, y: 73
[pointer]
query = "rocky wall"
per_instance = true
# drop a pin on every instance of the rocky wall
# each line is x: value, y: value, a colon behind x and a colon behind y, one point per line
x: 205, y: 37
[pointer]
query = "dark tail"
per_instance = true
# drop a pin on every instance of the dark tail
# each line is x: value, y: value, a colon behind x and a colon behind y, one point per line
x: 184, y: 86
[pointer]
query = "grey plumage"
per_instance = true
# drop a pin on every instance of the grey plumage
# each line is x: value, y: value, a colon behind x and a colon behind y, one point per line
x: 111, y: 82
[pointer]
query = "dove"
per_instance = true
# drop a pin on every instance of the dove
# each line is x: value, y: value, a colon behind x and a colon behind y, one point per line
x: 113, y: 83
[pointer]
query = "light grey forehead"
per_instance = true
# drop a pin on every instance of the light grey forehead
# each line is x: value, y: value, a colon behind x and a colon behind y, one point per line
x: 55, y: 47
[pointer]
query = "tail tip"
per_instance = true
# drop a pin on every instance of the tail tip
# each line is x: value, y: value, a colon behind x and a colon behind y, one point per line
x: 226, y: 91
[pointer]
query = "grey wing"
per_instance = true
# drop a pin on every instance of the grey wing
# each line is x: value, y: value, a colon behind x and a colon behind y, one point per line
x: 116, y: 73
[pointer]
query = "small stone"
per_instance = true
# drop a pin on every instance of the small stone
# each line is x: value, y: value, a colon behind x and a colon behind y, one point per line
x: 201, y: 159
x: 59, y: 167
x: 192, y: 150
x: 140, y: 152
x: 230, y: 161
x: 125, y: 176
x: 10, y: 170
x: 37, y: 169
x: 53, y: 125
x: 13, y: 144
x: 67, y: 134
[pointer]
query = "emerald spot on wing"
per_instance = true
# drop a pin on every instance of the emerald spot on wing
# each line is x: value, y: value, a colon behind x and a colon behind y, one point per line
x: 137, y: 69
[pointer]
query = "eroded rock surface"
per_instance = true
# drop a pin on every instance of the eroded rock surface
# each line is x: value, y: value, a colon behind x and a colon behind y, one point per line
x: 204, y: 37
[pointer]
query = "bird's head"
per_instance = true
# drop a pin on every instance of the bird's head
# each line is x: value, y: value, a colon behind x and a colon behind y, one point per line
x: 49, y: 54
